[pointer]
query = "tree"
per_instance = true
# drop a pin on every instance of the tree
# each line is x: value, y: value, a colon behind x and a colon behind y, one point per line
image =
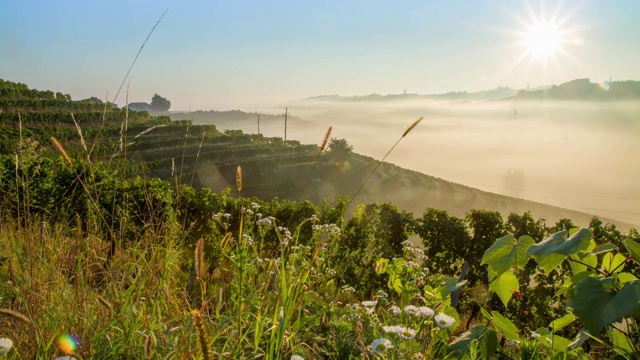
x: 158, y: 103
x: 526, y: 225
x: 340, y: 149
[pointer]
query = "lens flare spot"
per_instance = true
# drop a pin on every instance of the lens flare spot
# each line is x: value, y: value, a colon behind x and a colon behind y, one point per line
x: 67, y: 344
x: 605, y: 85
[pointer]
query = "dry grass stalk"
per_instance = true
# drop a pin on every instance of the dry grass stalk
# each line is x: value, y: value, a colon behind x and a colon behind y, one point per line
x: 20, y: 125
x: 144, y: 132
x: 203, y: 341
x: 323, y: 147
x: 15, y: 315
x: 411, y: 127
x: 62, y: 152
x: 225, y: 240
x: 137, y: 55
x: 199, y: 259
x: 415, y: 123
x: 195, y: 164
x: 82, y: 142
x: 105, y: 303
x: 149, y: 345
x: 239, y: 178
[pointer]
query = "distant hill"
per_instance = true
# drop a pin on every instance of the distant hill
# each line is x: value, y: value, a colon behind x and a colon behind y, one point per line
x: 579, y: 89
x: 485, y: 95
x: 585, y: 90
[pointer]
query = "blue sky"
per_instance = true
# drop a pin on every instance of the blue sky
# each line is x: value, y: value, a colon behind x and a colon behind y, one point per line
x: 241, y: 54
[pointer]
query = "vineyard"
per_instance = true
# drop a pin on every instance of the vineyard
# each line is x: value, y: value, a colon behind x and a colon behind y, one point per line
x: 124, y: 235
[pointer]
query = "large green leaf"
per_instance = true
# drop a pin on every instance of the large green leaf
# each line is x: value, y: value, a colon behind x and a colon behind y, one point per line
x: 559, y: 323
x: 621, y: 341
x: 553, y: 341
x: 488, y: 342
x: 634, y: 250
x: 603, y: 248
x: 597, y: 306
x: 587, y: 262
x: 504, y: 285
x: 624, y: 277
x: 508, y: 329
x: 506, y: 252
x: 612, y: 263
x: 550, y: 252
x: 395, y: 283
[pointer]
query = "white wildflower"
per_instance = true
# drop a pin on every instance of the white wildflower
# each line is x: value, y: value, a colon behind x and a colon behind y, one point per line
x: 444, y: 321
x: 5, y: 345
x: 406, y: 333
x: 426, y: 311
x: 369, y: 303
x: 394, y: 329
x: 411, y: 310
x: 380, y: 346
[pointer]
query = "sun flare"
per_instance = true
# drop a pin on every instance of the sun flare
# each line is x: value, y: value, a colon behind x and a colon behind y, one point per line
x: 543, y: 40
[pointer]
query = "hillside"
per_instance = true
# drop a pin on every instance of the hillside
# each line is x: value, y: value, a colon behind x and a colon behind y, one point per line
x: 202, y: 156
x: 585, y: 90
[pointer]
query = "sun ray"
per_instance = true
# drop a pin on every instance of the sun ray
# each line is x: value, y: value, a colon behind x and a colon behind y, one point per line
x: 545, y: 38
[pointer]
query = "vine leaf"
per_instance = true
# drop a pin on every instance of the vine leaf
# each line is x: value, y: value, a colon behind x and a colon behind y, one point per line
x: 551, y: 251
x: 555, y: 342
x: 634, y: 250
x: 596, y: 306
x: 504, y: 285
x: 604, y: 248
x: 487, y: 338
x: 561, y: 322
x: 508, y: 329
x: 506, y: 252
x: 620, y: 341
x: 611, y: 262
x: 587, y: 261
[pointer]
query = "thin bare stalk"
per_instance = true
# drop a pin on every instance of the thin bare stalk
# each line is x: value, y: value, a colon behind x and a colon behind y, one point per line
x: 82, y: 142
x: 138, y: 54
x: 406, y: 132
x: 323, y: 147
x: 327, y: 135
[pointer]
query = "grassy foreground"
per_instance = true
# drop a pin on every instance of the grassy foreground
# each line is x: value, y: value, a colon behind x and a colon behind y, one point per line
x: 154, y: 299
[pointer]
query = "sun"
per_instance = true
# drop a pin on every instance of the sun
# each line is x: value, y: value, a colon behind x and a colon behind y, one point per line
x: 543, y: 40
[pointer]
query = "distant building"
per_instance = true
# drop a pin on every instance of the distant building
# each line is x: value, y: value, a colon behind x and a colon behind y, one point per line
x: 140, y: 106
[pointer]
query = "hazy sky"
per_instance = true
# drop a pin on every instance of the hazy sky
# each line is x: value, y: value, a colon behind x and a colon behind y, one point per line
x: 241, y: 54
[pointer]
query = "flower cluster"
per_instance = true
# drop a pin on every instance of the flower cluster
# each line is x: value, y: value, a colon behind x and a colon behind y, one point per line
x: 331, y: 229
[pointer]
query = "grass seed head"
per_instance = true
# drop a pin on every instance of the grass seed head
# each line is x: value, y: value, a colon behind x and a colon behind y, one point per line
x: 15, y: 315
x: 239, y: 178
x: 62, y: 152
x: 326, y: 139
x: 415, y: 123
